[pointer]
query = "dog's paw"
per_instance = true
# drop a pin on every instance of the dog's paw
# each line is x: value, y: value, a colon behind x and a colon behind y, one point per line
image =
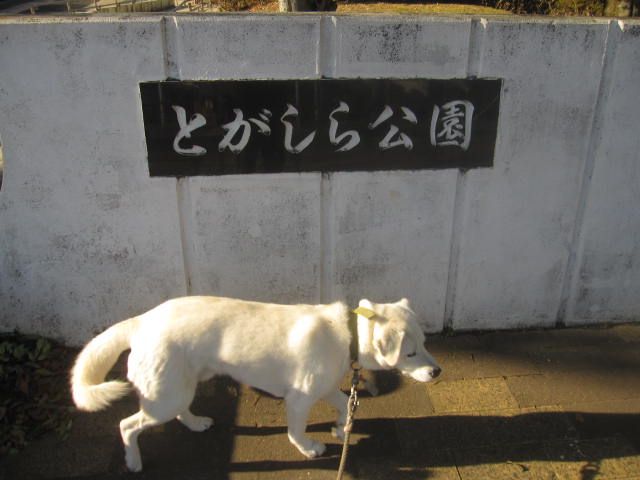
x: 195, y: 423
x: 200, y: 424
x: 133, y: 461
x: 316, y: 449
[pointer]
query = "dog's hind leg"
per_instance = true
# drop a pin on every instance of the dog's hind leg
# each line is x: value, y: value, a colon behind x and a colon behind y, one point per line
x: 168, y: 405
x: 339, y: 401
x: 130, y: 428
x: 298, y: 406
x: 194, y: 422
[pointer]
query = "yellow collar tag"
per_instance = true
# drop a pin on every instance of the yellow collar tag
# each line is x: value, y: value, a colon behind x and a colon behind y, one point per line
x: 365, y: 312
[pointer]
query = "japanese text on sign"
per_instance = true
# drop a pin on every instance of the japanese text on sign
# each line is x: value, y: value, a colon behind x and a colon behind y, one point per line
x: 450, y: 125
x: 270, y: 126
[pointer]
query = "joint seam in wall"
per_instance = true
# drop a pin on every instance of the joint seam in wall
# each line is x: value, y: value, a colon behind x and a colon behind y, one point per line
x: 571, y: 276
x: 170, y: 48
x: 327, y: 265
x: 477, y: 28
x: 326, y: 66
x: 454, y: 251
x: 183, y: 196
x: 326, y: 60
x: 170, y: 54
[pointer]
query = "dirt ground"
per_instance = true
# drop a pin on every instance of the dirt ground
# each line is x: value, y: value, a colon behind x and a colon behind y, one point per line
x: 433, y: 8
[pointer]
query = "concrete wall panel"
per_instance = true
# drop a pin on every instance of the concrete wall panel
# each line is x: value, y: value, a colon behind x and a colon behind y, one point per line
x: 607, y: 282
x: 402, y: 46
x: 255, y: 237
x: 87, y: 237
x: 390, y: 232
x: 518, y: 217
x: 229, y: 46
x: 390, y: 237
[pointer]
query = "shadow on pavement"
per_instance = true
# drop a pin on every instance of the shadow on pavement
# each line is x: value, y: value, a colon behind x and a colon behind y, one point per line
x: 402, y: 448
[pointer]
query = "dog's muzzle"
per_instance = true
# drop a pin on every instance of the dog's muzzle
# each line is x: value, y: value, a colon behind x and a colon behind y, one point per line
x: 425, y: 374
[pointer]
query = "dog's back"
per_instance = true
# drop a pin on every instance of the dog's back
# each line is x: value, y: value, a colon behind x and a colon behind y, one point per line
x: 269, y: 346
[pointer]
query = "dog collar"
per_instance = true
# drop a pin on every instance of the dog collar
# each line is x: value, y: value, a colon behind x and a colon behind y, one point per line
x: 353, y: 329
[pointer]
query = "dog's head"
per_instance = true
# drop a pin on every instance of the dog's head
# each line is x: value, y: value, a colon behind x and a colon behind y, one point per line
x: 398, y: 341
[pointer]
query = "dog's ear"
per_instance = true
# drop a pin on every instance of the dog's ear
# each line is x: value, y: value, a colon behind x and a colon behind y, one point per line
x: 404, y: 303
x: 365, y: 303
x: 389, y: 345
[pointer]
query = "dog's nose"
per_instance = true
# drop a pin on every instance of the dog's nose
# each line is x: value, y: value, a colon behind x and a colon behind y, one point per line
x: 435, y: 373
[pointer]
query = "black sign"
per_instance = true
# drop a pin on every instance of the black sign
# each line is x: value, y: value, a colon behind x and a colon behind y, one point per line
x: 272, y: 126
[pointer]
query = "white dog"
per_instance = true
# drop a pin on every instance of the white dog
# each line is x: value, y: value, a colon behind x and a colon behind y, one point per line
x: 298, y: 352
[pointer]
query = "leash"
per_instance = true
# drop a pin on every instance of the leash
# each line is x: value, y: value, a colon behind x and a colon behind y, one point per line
x: 352, y: 403
x: 352, y: 406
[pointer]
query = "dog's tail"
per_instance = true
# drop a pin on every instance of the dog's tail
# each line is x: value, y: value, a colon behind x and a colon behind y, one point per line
x: 90, y: 391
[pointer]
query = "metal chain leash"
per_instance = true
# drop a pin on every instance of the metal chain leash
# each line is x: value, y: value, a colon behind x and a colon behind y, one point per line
x: 352, y: 406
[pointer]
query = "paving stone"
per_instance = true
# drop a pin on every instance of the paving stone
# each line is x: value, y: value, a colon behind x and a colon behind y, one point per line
x: 437, y: 465
x: 407, y: 399
x: 529, y: 342
x: 607, y: 458
x: 449, y: 344
x: 628, y: 332
x: 629, y: 406
x: 263, y: 450
x: 541, y: 390
x: 485, y: 364
x: 278, y: 472
x: 461, y: 366
x: 578, y: 377
x: 618, y: 418
x: 471, y: 395
x: 498, y: 364
x: 457, y: 356
x: 512, y: 462
x: 258, y: 409
x: 516, y: 426
x: 444, y: 431
x: 376, y: 439
x: 253, y: 447
x: 617, y: 357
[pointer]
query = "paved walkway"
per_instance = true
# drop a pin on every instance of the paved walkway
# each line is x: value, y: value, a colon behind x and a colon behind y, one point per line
x: 554, y: 404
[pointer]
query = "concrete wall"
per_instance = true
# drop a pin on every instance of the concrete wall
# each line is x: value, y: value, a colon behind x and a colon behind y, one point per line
x: 550, y: 234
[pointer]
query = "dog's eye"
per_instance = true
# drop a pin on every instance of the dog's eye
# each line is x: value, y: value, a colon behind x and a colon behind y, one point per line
x: 410, y: 355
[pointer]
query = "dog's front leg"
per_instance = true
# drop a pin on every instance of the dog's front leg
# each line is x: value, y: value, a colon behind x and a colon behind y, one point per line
x: 298, y: 406
x: 340, y: 402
